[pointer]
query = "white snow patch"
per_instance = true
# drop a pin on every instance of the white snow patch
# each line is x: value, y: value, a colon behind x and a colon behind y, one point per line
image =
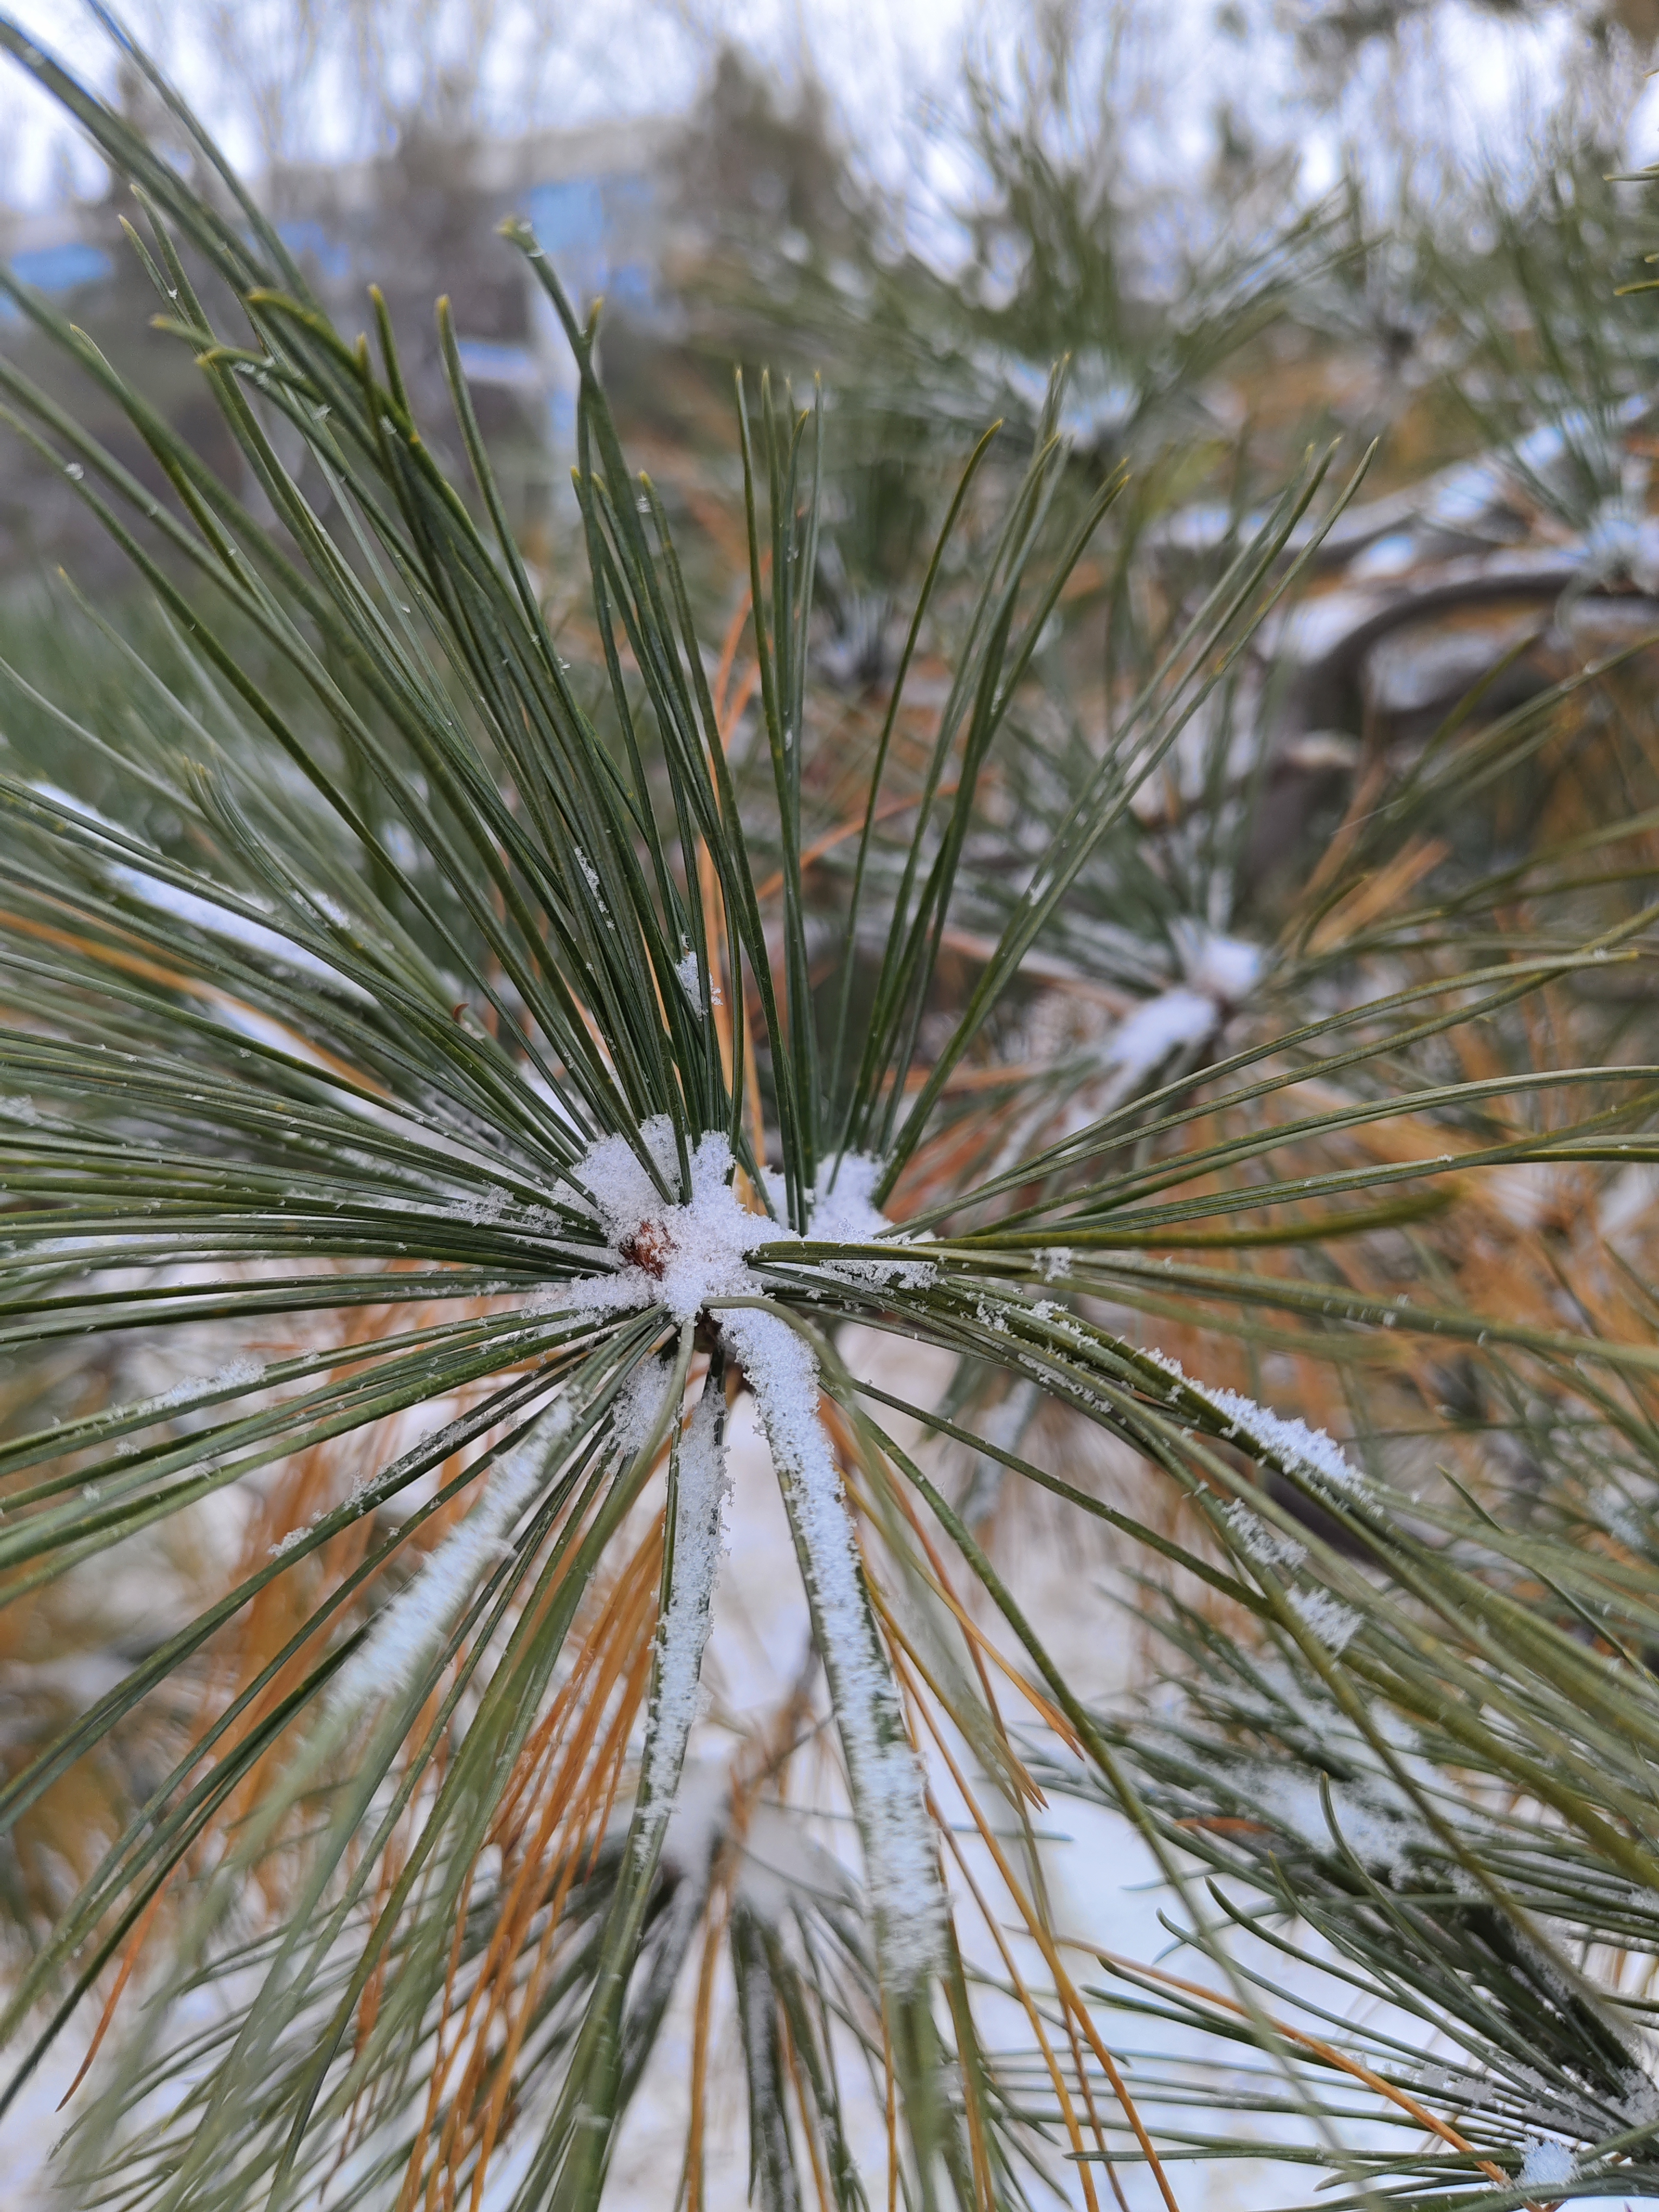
x: 1219, y: 973
x: 1144, y: 1040
x: 782, y: 1867
x: 845, y: 1212
x: 901, y: 1854
x: 691, y: 982
x: 20, y: 1110
x: 1225, y: 969
x: 1377, y: 1835
x: 203, y: 911
x: 699, y: 1816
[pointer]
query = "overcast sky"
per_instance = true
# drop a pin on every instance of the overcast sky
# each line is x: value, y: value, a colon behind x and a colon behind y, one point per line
x: 1468, y: 82
x: 646, y: 55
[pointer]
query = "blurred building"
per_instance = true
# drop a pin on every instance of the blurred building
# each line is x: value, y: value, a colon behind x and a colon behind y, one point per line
x: 421, y: 222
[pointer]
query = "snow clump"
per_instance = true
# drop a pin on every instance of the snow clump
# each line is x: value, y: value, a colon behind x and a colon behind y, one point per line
x: 1219, y: 974
x: 846, y: 1213
x: 683, y: 1257
x: 1144, y: 1040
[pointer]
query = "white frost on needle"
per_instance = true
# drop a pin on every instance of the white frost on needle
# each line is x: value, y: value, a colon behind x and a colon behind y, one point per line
x: 1326, y: 1618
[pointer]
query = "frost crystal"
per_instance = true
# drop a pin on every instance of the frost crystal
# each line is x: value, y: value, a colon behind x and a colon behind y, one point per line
x: 481, y: 1209
x: 900, y: 1853
x: 1265, y: 1543
x: 1547, y: 2165
x: 237, y: 1375
x: 1327, y: 1618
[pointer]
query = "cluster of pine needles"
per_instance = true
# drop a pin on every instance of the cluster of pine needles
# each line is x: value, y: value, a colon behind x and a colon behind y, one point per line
x: 1140, y: 1142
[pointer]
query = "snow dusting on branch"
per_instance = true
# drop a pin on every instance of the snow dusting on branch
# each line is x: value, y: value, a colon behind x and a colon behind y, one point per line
x: 701, y: 1494
x: 422, y: 1615
x: 1293, y: 1443
x: 901, y: 1855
